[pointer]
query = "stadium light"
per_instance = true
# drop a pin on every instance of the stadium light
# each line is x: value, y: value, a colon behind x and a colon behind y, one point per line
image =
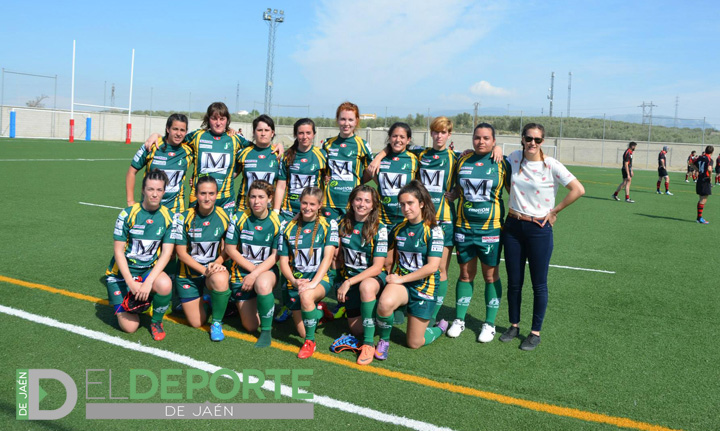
x: 274, y: 19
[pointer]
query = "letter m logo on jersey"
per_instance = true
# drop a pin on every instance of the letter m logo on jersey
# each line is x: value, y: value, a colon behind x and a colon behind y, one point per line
x: 174, y: 179
x: 268, y: 177
x: 217, y: 163
x: 143, y: 249
x: 476, y: 190
x: 255, y: 253
x: 432, y: 179
x: 391, y: 183
x: 355, y: 259
x: 341, y: 170
x: 298, y: 182
x: 306, y: 263
x: 410, y: 261
x: 204, y: 251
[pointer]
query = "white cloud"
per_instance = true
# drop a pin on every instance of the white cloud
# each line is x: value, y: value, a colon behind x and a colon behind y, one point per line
x: 379, y: 50
x: 484, y: 88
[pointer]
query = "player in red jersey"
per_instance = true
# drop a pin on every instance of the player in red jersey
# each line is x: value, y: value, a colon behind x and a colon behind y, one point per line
x: 703, y: 187
x: 627, y: 173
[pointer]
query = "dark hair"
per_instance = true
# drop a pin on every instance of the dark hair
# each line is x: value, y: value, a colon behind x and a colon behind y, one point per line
x: 485, y: 126
x: 292, y: 151
x: 632, y: 144
x: 709, y: 149
x: 692, y: 152
x: 417, y: 189
x: 155, y: 174
x: 370, y: 226
x: 527, y: 127
x: 171, y: 119
x: 216, y: 108
x: 262, y: 185
x: 392, y: 128
x: 265, y: 119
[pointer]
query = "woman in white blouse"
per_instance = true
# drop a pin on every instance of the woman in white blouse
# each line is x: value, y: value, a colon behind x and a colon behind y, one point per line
x: 527, y: 233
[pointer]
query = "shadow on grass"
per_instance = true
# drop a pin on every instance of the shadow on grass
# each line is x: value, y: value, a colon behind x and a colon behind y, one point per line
x: 666, y: 218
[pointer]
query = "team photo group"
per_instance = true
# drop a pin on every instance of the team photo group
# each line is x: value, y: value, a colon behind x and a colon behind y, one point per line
x: 377, y: 231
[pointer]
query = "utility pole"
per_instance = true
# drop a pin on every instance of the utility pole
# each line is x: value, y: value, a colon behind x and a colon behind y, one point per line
x: 552, y: 91
x: 677, y: 98
x: 569, y: 91
x: 647, y: 111
x: 476, y: 104
x: 274, y: 19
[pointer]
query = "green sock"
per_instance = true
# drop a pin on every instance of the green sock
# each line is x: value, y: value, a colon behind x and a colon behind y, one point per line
x: 399, y: 315
x: 493, y: 294
x: 431, y: 334
x: 367, y: 309
x: 160, y: 305
x: 464, y: 291
x: 266, y: 309
x: 264, y: 339
x: 219, y: 301
x: 310, y: 321
x: 385, y: 323
x: 440, y: 294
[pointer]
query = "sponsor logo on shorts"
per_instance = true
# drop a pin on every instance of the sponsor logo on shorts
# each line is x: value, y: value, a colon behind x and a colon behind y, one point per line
x: 491, y: 239
x: 459, y: 237
x: 186, y: 286
x: 425, y: 296
x: 117, y: 293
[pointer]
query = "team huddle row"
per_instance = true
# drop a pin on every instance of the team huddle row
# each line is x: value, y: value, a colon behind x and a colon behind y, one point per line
x: 305, y: 220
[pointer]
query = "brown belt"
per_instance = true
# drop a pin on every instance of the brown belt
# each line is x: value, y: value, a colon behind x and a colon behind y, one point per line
x: 523, y: 217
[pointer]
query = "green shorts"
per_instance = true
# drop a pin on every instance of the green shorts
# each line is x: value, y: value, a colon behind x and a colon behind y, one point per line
x: 238, y: 295
x: 333, y: 213
x: 419, y: 304
x: 352, y: 298
x: 291, y: 297
x: 483, y: 244
x: 448, y: 229
x: 188, y: 289
x: 117, y: 287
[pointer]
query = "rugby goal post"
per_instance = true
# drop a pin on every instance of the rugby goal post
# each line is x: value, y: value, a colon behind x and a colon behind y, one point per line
x: 128, y: 131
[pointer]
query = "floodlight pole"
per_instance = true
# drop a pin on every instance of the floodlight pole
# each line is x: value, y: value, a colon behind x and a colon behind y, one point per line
x: 129, y: 123
x: 72, y: 99
x: 274, y: 18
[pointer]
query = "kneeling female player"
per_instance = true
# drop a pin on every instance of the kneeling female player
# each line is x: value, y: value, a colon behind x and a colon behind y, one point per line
x: 306, y: 249
x: 251, y: 243
x: 363, y: 246
x: 198, y: 235
x: 417, y: 246
x: 142, y: 249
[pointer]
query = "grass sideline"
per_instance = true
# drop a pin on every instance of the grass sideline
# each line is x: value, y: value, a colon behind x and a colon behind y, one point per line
x: 636, y: 344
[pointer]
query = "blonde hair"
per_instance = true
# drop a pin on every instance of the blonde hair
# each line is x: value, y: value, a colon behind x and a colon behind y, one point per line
x: 441, y: 124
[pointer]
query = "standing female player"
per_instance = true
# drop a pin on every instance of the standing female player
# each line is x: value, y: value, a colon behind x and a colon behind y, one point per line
x: 416, y: 246
x: 528, y: 231
x: 198, y: 235
x: 301, y: 167
x: 258, y: 161
x: 363, y: 249
x: 480, y: 182
x: 251, y: 243
x: 397, y: 169
x: 306, y: 249
x: 170, y: 156
x: 142, y: 249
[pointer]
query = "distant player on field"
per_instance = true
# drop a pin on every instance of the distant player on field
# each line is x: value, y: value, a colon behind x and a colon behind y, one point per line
x: 703, y: 187
x: 662, y: 171
x: 627, y: 173
x: 691, y: 166
x: 717, y: 170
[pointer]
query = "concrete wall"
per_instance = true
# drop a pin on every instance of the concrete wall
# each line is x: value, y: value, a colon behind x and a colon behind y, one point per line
x: 44, y: 123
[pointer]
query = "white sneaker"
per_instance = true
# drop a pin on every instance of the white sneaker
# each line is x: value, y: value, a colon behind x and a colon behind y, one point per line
x: 668, y: 193
x: 487, y: 334
x: 456, y: 328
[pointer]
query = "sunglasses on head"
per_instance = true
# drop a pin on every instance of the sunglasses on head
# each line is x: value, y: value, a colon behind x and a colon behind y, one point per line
x: 529, y: 139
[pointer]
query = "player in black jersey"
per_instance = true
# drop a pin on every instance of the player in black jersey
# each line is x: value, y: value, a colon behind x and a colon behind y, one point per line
x: 662, y: 171
x: 703, y: 187
x: 627, y: 173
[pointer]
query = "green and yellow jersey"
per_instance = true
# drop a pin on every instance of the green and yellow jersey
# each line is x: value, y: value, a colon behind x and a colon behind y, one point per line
x: 347, y: 159
x: 358, y: 255
x: 305, y: 171
x: 216, y: 156
x: 143, y: 232
x: 174, y: 161
x: 436, y: 174
x: 254, y: 163
x: 202, y: 235
x: 481, y: 182
x: 396, y: 170
x: 304, y: 245
x: 255, y: 239
x: 414, y: 244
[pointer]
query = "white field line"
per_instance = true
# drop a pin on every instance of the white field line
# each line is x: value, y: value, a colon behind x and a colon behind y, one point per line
x: 98, y: 205
x: 269, y: 385
x: 59, y: 160
x: 573, y: 268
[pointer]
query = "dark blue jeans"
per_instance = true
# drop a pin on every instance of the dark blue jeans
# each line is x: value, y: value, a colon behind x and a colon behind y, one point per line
x: 527, y: 240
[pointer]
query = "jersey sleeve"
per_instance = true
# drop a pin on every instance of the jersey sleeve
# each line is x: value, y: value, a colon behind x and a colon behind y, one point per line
x: 122, y: 228
x: 332, y: 237
x: 436, y: 242
x: 381, y: 242
x: 141, y: 158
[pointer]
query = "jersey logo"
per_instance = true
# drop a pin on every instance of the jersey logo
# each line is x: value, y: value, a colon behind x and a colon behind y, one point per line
x: 341, y: 170
x: 204, y: 251
x: 410, y: 261
x: 268, y: 177
x: 304, y: 160
x: 258, y: 227
x: 217, y: 163
x: 149, y: 221
x: 174, y: 180
x: 391, y: 183
x: 255, y: 253
x: 206, y: 223
x: 143, y: 249
x: 355, y: 259
x: 298, y: 183
x: 306, y: 263
x: 432, y: 180
x: 476, y: 190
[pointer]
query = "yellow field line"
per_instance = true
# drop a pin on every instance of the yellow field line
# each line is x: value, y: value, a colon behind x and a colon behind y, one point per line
x: 424, y: 381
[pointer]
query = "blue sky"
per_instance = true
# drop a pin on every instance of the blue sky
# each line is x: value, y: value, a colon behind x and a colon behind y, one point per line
x: 408, y: 56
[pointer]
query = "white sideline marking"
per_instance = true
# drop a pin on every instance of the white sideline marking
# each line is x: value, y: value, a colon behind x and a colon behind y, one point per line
x: 269, y: 385
x: 59, y: 160
x: 98, y: 205
x: 572, y: 267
